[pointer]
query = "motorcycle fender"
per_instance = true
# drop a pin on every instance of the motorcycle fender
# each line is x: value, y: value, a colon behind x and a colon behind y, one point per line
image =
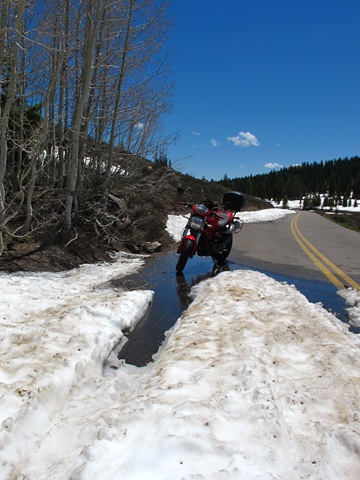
x: 190, y: 237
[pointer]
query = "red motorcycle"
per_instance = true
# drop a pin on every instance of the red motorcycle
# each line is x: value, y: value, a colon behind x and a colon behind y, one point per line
x: 209, y: 231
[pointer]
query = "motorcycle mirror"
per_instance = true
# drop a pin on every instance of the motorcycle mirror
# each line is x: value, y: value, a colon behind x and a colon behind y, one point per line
x: 180, y: 190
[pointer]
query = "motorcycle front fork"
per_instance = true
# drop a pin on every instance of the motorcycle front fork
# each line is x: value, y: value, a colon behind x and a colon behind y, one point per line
x: 194, y: 237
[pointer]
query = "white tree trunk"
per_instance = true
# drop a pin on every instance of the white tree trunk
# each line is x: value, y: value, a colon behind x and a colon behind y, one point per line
x: 87, y: 68
x: 13, y: 54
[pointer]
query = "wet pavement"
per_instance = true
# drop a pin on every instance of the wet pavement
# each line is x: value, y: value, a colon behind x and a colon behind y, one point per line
x: 171, y: 298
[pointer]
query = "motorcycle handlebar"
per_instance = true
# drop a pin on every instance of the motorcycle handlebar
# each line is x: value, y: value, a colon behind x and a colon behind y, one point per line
x: 213, y: 213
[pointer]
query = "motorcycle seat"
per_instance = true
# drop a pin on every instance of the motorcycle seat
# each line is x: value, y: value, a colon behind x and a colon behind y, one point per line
x: 223, y: 220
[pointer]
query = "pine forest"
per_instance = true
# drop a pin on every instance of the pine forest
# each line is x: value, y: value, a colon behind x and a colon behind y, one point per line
x: 338, y: 179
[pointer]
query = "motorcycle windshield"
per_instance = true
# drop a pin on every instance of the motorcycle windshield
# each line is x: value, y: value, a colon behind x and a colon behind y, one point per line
x: 200, y: 209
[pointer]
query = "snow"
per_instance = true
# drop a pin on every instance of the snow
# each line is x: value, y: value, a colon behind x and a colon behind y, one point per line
x: 329, y: 210
x: 252, y: 382
x: 176, y: 223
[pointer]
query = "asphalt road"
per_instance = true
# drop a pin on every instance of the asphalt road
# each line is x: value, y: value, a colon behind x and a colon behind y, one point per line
x: 304, y: 245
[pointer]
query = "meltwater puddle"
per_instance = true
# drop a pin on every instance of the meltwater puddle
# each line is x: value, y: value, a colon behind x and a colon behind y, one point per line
x: 171, y: 298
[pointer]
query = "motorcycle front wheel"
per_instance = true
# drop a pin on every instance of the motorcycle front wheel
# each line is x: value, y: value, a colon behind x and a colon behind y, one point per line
x: 184, y: 255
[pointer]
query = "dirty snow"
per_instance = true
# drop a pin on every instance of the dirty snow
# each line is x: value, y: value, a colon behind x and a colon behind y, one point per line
x: 252, y: 382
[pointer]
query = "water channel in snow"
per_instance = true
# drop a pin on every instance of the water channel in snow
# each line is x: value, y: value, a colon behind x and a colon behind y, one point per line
x: 171, y: 298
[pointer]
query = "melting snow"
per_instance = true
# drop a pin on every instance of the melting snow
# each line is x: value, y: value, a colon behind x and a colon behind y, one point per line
x: 253, y: 381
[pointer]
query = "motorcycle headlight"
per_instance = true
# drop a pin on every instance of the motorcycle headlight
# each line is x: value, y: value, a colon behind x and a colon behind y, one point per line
x: 196, y: 223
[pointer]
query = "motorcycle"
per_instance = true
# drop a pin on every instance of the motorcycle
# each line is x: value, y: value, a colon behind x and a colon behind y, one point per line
x: 209, y: 231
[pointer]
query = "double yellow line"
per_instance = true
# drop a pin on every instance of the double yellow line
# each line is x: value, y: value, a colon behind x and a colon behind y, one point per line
x: 323, y: 263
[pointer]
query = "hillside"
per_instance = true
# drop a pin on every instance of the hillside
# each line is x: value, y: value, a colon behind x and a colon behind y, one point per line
x: 136, y: 214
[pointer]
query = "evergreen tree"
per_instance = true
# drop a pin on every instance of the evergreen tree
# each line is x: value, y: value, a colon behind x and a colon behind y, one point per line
x: 336, y: 178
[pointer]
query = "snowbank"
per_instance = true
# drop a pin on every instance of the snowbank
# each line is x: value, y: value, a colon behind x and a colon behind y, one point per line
x: 176, y: 223
x: 243, y: 388
x: 252, y: 382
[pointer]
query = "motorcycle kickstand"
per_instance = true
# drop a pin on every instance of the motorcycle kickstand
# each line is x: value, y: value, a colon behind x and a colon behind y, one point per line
x: 216, y: 268
x: 219, y: 266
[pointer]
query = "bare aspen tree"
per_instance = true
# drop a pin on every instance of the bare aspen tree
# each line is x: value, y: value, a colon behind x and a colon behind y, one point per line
x: 4, y: 13
x: 147, y: 95
x: 119, y: 81
x: 11, y: 21
x: 43, y: 141
x: 56, y: 47
x: 134, y: 116
x: 95, y: 73
x: 92, y: 25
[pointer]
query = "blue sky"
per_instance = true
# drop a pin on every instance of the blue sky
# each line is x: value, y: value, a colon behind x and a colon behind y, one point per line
x: 263, y: 84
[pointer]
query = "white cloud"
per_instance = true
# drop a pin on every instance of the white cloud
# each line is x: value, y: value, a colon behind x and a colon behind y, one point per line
x: 214, y: 143
x: 244, y: 139
x: 273, y: 165
x: 139, y: 126
x: 196, y: 133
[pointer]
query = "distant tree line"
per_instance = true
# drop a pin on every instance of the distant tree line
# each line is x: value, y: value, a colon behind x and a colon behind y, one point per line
x: 339, y: 179
x: 83, y: 85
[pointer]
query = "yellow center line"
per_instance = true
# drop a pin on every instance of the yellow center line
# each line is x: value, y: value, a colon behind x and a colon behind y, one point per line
x: 316, y: 257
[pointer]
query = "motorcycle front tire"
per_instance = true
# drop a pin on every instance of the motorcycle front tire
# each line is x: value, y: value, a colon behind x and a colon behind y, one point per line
x: 184, y: 255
